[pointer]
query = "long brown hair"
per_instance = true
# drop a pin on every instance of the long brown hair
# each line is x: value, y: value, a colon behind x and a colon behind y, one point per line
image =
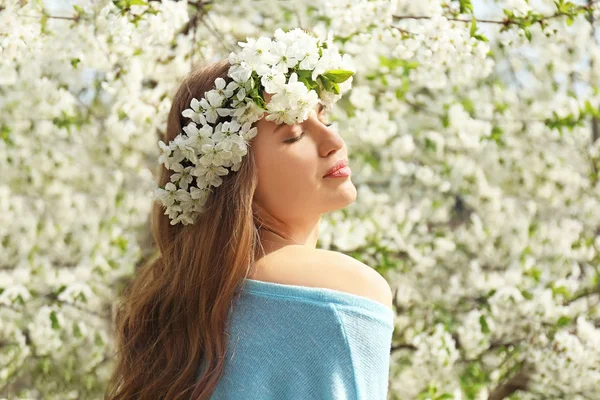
x: 173, y: 314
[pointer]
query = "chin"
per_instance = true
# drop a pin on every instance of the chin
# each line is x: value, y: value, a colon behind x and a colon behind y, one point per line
x: 344, y: 196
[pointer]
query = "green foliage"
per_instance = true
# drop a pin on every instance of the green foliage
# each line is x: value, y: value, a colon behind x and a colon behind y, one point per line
x: 569, y: 122
x: 473, y: 31
x: 76, y: 331
x: 563, y: 8
x: 563, y: 321
x: 560, y: 291
x: 329, y: 85
x: 125, y: 7
x: 78, y: 10
x: 392, y: 64
x: 473, y: 379
x: 126, y: 4
x: 465, y: 6
x: 5, y: 135
x: 256, y: 92
x: 69, y: 121
x: 533, y: 273
x: 430, y: 393
x: 305, y: 76
x: 337, y: 75
x: 484, y: 325
x: 496, y: 135
x: 590, y: 110
x: 54, y: 320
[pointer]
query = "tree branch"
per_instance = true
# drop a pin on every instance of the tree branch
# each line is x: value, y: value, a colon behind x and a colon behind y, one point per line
x: 505, y: 22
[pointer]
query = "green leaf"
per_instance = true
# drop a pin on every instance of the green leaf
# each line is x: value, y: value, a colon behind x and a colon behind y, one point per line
x: 561, y: 290
x: 473, y: 26
x: 76, y: 331
x: 484, y: 325
x: 19, y: 299
x: 563, y: 321
x: 527, y: 294
x: 465, y: 6
x: 336, y: 88
x: 43, y: 23
x: 5, y: 135
x: 528, y: 34
x: 327, y: 84
x: 98, y: 340
x: 54, y: 319
x: 137, y: 3
x: 305, y: 76
x: 61, y: 289
x: 337, y: 75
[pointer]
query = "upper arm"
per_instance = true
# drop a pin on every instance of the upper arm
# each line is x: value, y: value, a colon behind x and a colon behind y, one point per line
x: 298, y: 265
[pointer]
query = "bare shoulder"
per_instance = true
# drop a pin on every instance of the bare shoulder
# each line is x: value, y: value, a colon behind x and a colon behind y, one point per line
x: 298, y: 265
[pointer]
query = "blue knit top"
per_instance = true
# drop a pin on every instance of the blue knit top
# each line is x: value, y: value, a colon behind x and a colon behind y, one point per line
x: 289, y: 342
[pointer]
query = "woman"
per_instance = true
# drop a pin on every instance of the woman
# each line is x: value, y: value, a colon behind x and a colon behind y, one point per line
x: 240, y: 304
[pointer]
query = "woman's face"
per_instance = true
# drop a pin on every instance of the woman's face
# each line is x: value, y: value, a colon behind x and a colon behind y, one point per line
x: 292, y: 161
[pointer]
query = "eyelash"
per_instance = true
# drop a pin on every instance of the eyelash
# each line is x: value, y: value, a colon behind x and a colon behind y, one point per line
x: 289, y: 141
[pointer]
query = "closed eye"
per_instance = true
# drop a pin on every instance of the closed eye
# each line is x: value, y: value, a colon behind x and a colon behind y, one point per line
x: 292, y: 140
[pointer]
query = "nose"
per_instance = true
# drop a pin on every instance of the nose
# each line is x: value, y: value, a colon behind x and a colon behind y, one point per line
x: 329, y: 139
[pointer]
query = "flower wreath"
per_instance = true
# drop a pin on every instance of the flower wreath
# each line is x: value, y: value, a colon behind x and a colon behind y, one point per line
x: 297, y: 69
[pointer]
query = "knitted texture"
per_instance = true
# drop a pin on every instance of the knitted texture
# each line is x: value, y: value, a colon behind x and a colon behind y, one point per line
x: 298, y: 342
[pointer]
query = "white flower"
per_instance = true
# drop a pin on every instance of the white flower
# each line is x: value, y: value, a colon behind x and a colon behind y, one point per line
x: 167, y: 195
x: 212, y: 106
x: 173, y: 211
x: 248, y: 132
x: 330, y: 59
x: 185, y: 149
x: 226, y: 130
x: 165, y: 153
x: 11, y: 293
x: 278, y: 109
x: 210, y: 175
x: 197, y: 137
x: 257, y: 52
x: 191, y: 129
x: 216, y: 153
x: 241, y: 72
x: 272, y: 78
x: 250, y: 112
x: 182, y: 176
x: 226, y: 92
x: 76, y: 291
x: 283, y: 59
x: 194, y: 113
x: 184, y: 218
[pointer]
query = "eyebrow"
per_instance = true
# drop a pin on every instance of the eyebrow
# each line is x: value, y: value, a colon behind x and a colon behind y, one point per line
x: 321, y: 108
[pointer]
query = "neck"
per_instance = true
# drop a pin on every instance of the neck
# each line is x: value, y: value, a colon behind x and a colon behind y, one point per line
x: 274, y: 239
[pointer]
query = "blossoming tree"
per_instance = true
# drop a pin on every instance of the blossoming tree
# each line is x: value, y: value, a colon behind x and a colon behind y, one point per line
x: 472, y: 131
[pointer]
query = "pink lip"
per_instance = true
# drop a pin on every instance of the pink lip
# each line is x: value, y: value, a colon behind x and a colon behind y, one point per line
x: 337, y: 166
x: 345, y: 171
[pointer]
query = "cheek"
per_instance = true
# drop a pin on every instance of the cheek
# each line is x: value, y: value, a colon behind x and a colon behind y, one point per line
x: 288, y: 174
x: 291, y: 170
